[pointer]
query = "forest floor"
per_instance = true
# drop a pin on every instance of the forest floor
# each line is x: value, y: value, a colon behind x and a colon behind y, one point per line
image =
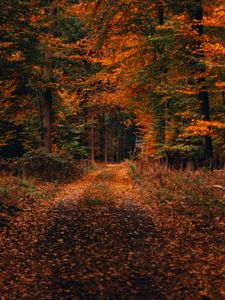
x: 99, y: 239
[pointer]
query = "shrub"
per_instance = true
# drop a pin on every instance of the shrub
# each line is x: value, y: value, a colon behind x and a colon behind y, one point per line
x: 133, y: 171
x: 77, y: 151
x: 49, y: 166
x: 93, y: 202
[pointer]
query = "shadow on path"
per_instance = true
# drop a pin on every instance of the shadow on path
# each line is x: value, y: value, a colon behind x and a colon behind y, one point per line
x: 98, y: 253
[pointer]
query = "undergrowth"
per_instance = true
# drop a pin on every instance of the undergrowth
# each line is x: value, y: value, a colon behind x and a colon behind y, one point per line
x: 20, y: 190
x: 159, y: 184
x: 105, y: 176
x: 88, y: 201
x: 46, y: 166
x: 133, y: 171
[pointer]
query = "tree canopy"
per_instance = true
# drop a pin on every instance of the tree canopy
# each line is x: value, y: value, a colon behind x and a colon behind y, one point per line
x: 91, y: 77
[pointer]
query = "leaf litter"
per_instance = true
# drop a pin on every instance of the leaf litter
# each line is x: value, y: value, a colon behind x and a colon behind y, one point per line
x: 98, y: 239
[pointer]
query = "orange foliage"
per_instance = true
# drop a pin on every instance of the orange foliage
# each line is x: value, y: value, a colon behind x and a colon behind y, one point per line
x: 203, y: 128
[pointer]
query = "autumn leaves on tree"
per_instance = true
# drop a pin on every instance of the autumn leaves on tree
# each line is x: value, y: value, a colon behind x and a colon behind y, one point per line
x: 88, y: 76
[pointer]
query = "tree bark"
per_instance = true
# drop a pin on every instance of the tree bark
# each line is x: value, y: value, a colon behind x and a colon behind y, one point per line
x: 46, y: 99
x: 196, y: 13
x: 106, y: 144
x: 46, y: 112
x: 162, y: 108
x: 92, y: 139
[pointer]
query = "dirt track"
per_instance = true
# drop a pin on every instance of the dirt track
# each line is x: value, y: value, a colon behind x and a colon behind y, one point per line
x: 98, y: 240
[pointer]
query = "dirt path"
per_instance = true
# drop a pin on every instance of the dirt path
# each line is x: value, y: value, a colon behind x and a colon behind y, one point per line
x: 95, y: 240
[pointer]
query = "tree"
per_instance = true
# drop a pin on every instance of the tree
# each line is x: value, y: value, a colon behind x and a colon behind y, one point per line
x: 91, y: 74
x: 196, y: 13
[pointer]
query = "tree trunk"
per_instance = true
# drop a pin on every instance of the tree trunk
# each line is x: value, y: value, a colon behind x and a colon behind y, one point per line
x: 46, y: 112
x: 46, y: 99
x: 161, y: 109
x: 160, y: 13
x: 196, y: 13
x: 106, y: 144
x: 92, y: 139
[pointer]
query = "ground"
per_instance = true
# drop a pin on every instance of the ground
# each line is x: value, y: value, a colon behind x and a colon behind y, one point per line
x: 99, y: 239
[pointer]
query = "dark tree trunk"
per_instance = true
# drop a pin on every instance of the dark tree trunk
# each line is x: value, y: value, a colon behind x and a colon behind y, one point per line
x: 196, y: 13
x: 160, y: 12
x: 106, y: 143
x: 101, y: 122
x: 161, y: 124
x: 92, y: 144
x: 46, y: 99
x: 92, y: 139
x: 46, y: 113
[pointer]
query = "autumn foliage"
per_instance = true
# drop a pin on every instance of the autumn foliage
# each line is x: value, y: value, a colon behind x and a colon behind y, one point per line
x: 89, y: 77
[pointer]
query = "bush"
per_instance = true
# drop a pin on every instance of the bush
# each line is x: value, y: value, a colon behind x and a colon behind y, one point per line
x: 133, y: 171
x: 91, y: 202
x: 77, y: 151
x: 49, y: 166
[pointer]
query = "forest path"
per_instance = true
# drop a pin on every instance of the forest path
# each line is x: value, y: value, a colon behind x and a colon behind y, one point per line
x: 95, y: 240
x: 105, y: 180
x: 86, y: 243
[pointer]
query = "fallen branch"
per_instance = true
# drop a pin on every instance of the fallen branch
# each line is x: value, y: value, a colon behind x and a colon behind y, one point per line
x: 216, y: 186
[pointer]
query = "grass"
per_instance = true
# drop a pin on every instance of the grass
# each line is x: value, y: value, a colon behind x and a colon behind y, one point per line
x: 133, y: 171
x: 4, y: 191
x: 98, y: 193
x: 203, y: 199
x: 158, y: 184
x: 13, y: 189
x: 93, y: 202
x: 100, y: 186
x: 105, y: 176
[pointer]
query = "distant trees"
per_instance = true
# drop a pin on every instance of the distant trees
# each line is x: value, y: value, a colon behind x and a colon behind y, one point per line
x: 159, y: 56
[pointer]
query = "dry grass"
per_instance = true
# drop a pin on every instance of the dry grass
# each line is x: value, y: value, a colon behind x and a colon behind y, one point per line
x: 15, y: 190
x: 160, y: 184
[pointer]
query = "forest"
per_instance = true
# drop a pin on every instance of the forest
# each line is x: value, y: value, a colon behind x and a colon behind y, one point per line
x: 112, y: 147
x: 89, y: 78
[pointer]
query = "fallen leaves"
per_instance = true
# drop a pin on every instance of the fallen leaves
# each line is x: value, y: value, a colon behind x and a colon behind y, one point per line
x: 121, y: 249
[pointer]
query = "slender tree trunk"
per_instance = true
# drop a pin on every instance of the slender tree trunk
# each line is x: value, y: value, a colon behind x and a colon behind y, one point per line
x: 92, y: 140
x: 162, y: 108
x: 196, y: 13
x: 46, y: 112
x: 160, y: 12
x: 106, y: 144
x: 116, y: 151
x: 46, y: 99
x: 101, y: 143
